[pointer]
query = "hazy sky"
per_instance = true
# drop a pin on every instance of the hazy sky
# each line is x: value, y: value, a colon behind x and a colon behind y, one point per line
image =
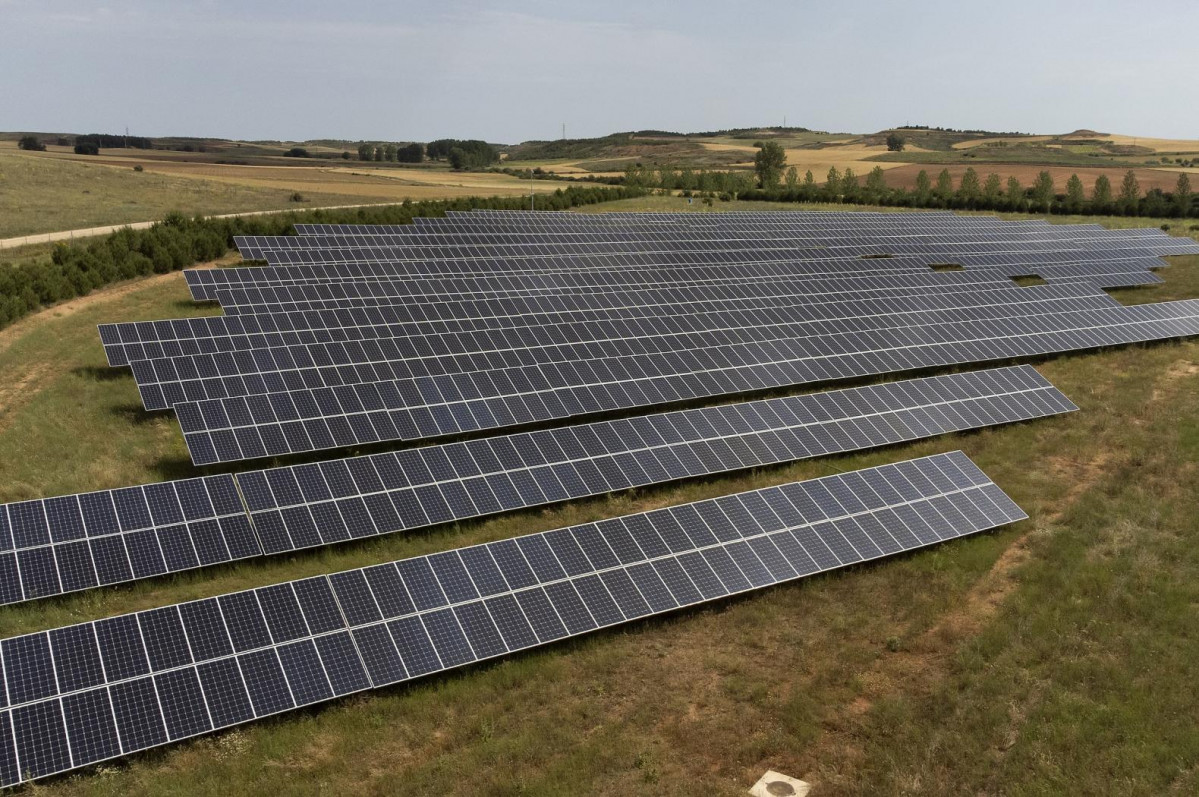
x: 508, y: 72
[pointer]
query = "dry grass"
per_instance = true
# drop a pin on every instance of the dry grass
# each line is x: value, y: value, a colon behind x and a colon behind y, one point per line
x: 51, y: 191
x: 852, y: 155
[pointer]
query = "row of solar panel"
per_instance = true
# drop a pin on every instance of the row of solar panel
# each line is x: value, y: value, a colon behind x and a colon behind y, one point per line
x: 641, y: 270
x: 663, y: 344
x: 85, y: 693
x: 312, y: 419
x: 165, y: 382
x: 69, y: 543
x: 147, y: 340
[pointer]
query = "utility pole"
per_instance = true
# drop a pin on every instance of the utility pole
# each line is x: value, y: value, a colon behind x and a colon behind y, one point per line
x: 564, y: 131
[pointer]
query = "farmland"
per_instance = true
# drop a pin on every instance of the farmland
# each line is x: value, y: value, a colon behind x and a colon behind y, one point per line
x: 1055, y: 653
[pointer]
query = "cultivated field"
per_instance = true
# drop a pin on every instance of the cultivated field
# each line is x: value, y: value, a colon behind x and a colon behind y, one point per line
x: 1055, y: 656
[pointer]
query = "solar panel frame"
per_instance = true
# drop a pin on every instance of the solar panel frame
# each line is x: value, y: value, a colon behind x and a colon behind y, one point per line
x: 540, y: 602
x: 294, y: 507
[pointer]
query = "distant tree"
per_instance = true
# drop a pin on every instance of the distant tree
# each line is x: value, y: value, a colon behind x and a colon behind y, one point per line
x: 1182, y: 194
x: 439, y: 149
x: 1101, y: 193
x: 296, y: 152
x: 87, y: 148
x: 636, y: 175
x: 345, y: 156
x: 1042, y: 191
x: 944, y: 188
x: 1015, y: 194
x: 809, y: 183
x: 379, y: 154
x: 1130, y: 193
x: 992, y: 190
x: 792, y: 179
x: 876, y: 184
x: 473, y: 154
x: 895, y: 142
x: 411, y: 153
x: 769, y: 163
x: 924, y: 187
x: 849, y: 184
x: 969, y: 189
x: 389, y: 153
x: 1075, y: 198
x: 832, y: 183
x: 366, y: 152
x: 31, y: 143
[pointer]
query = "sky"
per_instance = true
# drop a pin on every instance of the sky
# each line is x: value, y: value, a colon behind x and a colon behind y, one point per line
x: 510, y: 72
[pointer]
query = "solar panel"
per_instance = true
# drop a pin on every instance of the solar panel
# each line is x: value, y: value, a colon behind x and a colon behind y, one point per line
x: 85, y: 693
x: 228, y: 429
x: 163, y: 383
x: 70, y: 543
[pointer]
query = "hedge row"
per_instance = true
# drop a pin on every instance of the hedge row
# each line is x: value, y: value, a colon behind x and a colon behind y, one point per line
x: 178, y: 242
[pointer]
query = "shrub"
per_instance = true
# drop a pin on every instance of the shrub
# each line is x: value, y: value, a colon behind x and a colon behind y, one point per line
x: 31, y: 143
x: 296, y: 152
x: 87, y: 148
x: 138, y: 168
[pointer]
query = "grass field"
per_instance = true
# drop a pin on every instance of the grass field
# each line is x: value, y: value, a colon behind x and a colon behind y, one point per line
x: 57, y: 190
x: 45, y: 194
x: 1055, y: 656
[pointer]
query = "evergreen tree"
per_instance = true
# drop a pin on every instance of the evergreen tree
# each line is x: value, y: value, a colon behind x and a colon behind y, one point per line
x: 1130, y: 193
x: 1182, y: 194
x: 944, y: 185
x: 876, y: 184
x: 924, y: 187
x: 832, y: 183
x: 1042, y: 191
x: 895, y: 142
x: 849, y: 185
x: 1015, y: 194
x: 1074, y: 194
x: 969, y: 189
x: 1101, y: 194
x: 992, y: 190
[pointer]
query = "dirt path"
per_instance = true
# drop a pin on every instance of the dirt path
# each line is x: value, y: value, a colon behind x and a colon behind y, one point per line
x: 91, y: 232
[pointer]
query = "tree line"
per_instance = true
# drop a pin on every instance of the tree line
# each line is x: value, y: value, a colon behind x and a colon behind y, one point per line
x: 76, y: 269
x: 392, y: 153
x: 974, y: 192
x: 773, y: 181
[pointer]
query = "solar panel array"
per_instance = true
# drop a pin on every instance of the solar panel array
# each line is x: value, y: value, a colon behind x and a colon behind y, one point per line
x: 76, y: 542
x: 484, y: 321
x: 358, y: 335
x: 80, y: 694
